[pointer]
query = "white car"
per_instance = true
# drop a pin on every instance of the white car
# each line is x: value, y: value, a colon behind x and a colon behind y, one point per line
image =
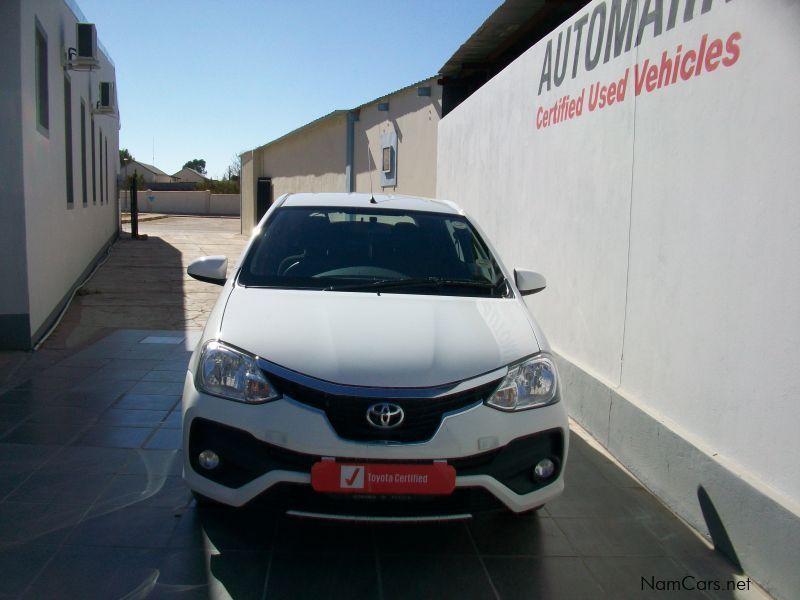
x: 371, y: 358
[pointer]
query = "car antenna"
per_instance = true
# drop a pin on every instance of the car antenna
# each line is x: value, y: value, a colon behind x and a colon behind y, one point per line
x: 369, y: 170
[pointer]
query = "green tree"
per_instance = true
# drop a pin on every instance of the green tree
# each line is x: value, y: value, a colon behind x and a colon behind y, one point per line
x: 124, y: 156
x: 198, y: 164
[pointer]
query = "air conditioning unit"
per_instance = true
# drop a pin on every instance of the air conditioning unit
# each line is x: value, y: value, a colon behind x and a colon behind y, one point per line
x: 106, y: 102
x: 84, y: 55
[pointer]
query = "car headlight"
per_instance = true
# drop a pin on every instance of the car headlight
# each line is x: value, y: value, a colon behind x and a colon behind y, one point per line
x: 529, y: 384
x: 232, y: 374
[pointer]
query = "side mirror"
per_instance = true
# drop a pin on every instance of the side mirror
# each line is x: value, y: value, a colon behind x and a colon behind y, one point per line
x: 209, y: 269
x: 529, y: 282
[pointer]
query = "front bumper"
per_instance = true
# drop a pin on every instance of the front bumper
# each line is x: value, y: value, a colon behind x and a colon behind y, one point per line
x: 269, y: 449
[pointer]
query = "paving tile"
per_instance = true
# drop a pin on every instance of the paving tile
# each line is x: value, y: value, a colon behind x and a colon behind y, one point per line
x: 193, y: 573
x: 512, y: 535
x: 579, y: 500
x: 28, y: 397
x: 619, y: 536
x: 101, y: 573
x: 155, y: 462
x: 33, y: 523
x: 15, y: 458
x: 174, y: 420
x: 82, y: 361
x: 225, y: 528
x: 554, y: 578
x: 447, y: 539
x: 46, y: 383
x: 11, y: 481
x: 94, y: 400
x: 65, y: 414
x: 82, y: 459
x: 20, y: 564
x: 105, y: 387
x: 44, y: 433
x: 6, y: 426
x: 639, y: 576
x: 119, y: 373
x: 13, y: 413
x: 434, y: 577
x: 158, y: 387
x: 339, y: 576
x: 165, y: 376
x: 132, y: 527
x: 120, y: 417
x: 304, y: 536
x: 166, y: 439
x: 114, y: 437
x: 143, y: 491
x: 148, y: 402
x: 69, y: 487
x: 173, y: 364
x: 68, y: 373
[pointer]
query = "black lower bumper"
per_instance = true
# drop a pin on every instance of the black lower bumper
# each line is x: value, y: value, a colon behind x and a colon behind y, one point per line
x: 244, y: 458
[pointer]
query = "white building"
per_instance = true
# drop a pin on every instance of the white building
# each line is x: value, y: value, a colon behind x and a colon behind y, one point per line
x: 644, y: 157
x: 59, y: 149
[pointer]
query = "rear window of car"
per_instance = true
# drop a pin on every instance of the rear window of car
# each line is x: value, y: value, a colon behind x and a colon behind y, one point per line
x: 356, y: 250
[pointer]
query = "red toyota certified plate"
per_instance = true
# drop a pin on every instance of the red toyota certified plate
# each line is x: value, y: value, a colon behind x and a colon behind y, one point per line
x: 433, y: 479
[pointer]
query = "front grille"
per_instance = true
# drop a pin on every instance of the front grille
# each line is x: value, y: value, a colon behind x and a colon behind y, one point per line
x: 348, y: 414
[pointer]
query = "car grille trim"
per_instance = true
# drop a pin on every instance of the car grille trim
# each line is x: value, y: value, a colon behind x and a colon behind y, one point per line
x: 345, y: 407
x: 339, y: 389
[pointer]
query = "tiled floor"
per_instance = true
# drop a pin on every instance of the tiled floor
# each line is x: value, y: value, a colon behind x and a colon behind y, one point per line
x: 92, y: 506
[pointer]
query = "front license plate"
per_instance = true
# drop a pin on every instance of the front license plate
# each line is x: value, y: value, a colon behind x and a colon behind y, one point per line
x: 364, y: 478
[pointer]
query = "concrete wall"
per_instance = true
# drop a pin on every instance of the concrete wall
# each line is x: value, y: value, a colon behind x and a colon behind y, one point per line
x: 62, y: 241
x: 14, y: 323
x: 414, y: 119
x: 201, y: 202
x: 668, y: 227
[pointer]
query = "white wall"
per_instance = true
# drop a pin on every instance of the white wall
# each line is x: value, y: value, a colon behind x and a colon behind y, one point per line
x: 61, y: 241
x: 667, y: 224
x: 14, y: 295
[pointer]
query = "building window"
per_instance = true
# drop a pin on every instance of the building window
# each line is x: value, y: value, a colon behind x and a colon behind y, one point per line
x: 102, y: 186
x: 68, y: 141
x: 83, y: 153
x: 42, y: 95
x: 94, y: 163
x: 108, y: 183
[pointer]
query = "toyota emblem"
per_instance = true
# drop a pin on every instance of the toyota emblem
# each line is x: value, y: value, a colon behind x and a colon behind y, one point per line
x: 385, y: 415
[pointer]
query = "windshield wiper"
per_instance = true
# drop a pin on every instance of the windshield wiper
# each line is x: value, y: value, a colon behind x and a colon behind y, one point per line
x: 436, y: 282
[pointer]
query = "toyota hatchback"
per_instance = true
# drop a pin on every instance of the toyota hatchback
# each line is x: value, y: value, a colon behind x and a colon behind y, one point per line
x: 372, y: 358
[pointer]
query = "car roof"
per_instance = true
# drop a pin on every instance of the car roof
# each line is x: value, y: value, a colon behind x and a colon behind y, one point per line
x: 363, y: 201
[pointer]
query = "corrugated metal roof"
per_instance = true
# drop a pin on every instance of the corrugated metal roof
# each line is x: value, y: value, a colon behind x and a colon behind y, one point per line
x: 514, y: 22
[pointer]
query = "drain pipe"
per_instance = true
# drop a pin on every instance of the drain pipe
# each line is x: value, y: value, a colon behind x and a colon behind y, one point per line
x: 349, y: 175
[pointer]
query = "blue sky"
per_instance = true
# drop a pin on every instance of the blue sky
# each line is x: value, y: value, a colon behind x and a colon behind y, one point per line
x: 208, y: 80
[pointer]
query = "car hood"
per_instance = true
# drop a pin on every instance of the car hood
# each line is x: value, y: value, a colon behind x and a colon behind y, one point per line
x: 387, y: 340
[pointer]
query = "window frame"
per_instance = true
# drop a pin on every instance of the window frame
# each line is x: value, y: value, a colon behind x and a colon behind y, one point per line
x: 42, y: 79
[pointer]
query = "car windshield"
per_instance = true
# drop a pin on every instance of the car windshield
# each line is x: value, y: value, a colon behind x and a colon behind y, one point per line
x: 392, y: 251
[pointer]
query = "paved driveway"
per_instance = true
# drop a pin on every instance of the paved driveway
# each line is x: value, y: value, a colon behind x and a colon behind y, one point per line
x: 92, y: 505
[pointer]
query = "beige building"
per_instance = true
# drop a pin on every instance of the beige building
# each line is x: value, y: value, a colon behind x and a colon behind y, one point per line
x: 189, y: 175
x: 149, y: 173
x: 397, y: 132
